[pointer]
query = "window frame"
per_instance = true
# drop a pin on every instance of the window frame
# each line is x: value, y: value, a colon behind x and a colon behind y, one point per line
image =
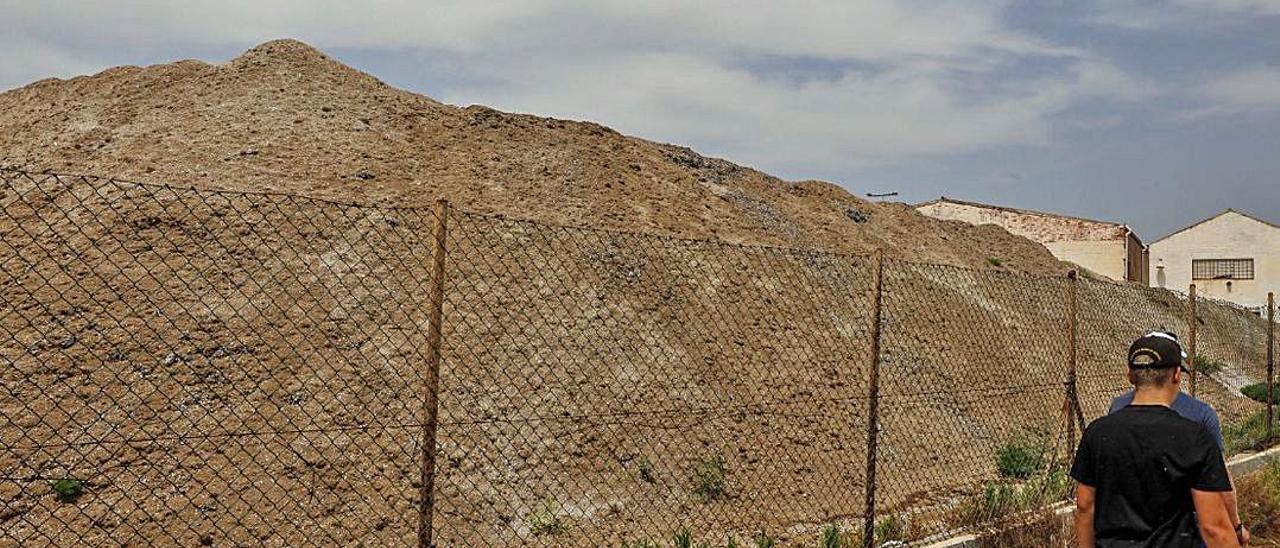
x: 1234, y: 268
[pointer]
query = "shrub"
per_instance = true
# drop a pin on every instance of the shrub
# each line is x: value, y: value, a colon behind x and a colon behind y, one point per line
x: 1022, y: 456
x: 832, y: 537
x: 829, y: 537
x: 68, y: 489
x: 1210, y: 366
x: 1258, y: 392
x: 763, y: 540
x: 545, y: 520
x: 646, y: 470
x: 709, y: 479
x: 995, y: 261
x: 890, y: 529
x: 1245, y: 435
x: 1001, y: 499
x: 684, y: 539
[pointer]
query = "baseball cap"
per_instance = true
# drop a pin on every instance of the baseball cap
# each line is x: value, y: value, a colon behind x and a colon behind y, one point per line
x: 1156, y: 350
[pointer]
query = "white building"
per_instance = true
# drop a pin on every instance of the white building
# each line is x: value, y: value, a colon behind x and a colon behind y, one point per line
x: 1230, y: 256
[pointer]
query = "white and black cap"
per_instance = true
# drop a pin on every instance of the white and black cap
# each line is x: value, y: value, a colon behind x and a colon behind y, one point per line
x: 1156, y: 350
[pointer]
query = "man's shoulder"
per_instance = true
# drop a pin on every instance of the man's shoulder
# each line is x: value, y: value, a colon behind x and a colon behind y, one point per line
x: 1104, y: 423
x: 1195, y: 407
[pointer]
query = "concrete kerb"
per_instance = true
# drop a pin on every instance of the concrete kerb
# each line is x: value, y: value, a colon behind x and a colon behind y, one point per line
x: 1241, y: 465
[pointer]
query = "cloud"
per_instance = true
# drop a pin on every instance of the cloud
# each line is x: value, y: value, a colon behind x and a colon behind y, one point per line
x: 874, y: 29
x: 867, y: 82
x: 1153, y: 15
x: 1242, y: 90
x: 1248, y: 7
x: 856, y: 119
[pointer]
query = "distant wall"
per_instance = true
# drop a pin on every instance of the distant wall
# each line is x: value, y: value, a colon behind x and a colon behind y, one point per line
x: 1106, y: 258
x: 1106, y: 249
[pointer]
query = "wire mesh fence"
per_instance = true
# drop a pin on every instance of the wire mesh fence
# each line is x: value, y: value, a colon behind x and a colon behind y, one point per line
x: 972, y: 395
x: 601, y: 388
x: 190, y: 366
x: 184, y: 366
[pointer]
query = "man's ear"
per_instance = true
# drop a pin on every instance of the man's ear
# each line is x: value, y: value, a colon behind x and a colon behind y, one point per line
x: 1177, y: 375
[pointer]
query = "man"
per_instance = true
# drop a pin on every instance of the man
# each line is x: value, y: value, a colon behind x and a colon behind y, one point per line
x: 1145, y: 473
x: 1197, y: 411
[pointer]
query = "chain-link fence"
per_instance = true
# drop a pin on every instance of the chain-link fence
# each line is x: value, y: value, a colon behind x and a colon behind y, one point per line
x: 188, y: 366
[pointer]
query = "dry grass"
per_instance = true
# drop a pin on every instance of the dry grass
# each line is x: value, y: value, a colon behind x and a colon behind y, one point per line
x: 1041, y: 528
x: 1259, y: 495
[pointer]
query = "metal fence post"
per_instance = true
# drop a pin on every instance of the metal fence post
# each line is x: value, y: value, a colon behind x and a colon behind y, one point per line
x: 1271, y: 362
x: 431, y: 400
x: 873, y: 403
x: 1192, y: 321
x: 1072, y: 404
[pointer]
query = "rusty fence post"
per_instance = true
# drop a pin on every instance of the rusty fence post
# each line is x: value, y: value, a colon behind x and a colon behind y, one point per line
x: 873, y: 402
x: 1071, y: 407
x: 431, y: 400
x: 1271, y: 363
x: 1192, y: 321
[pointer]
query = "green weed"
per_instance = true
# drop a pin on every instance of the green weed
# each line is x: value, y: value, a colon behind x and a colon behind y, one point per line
x: 1245, y: 435
x: 68, y: 489
x: 646, y: 469
x: 1022, y: 455
x: 545, y: 520
x: 709, y: 479
x: 1004, y: 498
x: 684, y: 539
x: 1210, y: 366
x: 763, y: 540
x: 830, y: 537
x: 890, y: 529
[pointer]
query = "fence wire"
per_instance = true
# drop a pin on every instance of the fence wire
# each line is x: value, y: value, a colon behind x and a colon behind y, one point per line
x: 604, y: 388
x: 188, y: 367
x: 972, y: 395
x: 183, y: 366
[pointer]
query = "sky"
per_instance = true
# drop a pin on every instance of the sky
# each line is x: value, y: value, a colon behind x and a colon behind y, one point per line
x: 1154, y: 114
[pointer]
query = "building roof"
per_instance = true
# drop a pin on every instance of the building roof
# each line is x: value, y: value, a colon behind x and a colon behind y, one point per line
x: 1022, y: 211
x: 1203, y: 221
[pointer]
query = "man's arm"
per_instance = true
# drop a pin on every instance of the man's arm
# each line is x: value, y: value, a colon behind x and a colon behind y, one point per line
x: 1233, y: 510
x: 1215, y: 525
x: 1214, y: 426
x: 1084, y: 516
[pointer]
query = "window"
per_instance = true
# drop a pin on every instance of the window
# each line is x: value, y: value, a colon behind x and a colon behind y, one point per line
x: 1222, y: 269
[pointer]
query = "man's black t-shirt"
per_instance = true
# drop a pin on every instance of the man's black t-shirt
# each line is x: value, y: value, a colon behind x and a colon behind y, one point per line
x: 1143, y: 461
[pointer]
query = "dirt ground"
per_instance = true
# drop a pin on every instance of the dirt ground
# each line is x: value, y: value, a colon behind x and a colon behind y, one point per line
x: 248, y: 368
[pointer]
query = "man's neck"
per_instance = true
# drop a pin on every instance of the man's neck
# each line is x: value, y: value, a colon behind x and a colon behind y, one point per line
x: 1164, y: 395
